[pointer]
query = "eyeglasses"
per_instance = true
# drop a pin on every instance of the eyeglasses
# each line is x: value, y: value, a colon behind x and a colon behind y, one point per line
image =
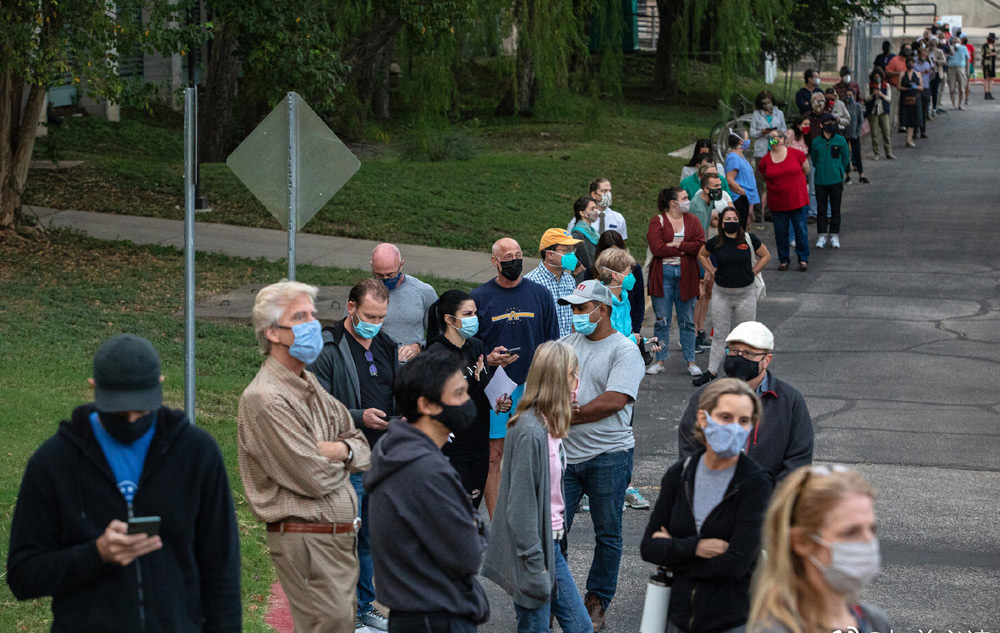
x: 371, y: 363
x: 743, y: 353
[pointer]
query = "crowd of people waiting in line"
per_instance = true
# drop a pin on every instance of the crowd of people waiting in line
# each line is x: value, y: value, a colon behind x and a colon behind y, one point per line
x: 368, y: 446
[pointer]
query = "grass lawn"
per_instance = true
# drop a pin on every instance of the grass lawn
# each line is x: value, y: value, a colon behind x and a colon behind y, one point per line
x: 522, y: 178
x: 62, y: 297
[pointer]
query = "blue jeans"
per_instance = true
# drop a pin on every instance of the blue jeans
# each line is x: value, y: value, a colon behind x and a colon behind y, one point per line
x: 797, y: 220
x: 664, y: 308
x: 812, y: 194
x: 568, y: 606
x: 366, y: 582
x: 604, y: 479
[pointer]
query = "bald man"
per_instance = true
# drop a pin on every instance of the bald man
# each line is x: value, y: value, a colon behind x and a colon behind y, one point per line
x: 409, y: 301
x: 514, y: 313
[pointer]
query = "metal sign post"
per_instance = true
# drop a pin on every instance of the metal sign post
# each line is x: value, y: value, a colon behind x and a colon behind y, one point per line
x: 293, y: 180
x: 190, y: 140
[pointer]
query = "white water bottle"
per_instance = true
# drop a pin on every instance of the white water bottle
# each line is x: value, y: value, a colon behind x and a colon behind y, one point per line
x: 654, y: 612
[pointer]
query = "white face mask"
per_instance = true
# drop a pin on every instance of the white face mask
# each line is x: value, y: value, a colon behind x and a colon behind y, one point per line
x: 818, y: 80
x: 847, y: 79
x: 685, y: 205
x: 853, y: 566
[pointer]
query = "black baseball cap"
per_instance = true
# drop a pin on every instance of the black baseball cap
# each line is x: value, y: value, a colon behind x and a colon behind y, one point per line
x: 127, y: 375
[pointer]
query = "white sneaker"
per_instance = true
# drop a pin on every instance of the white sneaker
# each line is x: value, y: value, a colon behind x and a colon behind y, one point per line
x: 694, y: 370
x: 359, y: 626
x: 654, y: 369
x: 791, y: 243
x: 821, y: 242
x: 835, y: 241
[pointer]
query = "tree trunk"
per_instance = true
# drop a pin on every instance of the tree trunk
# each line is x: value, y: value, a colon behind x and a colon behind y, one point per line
x: 525, y: 79
x: 663, y: 70
x: 216, y: 126
x: 17, y: 137
x: 380, y: 98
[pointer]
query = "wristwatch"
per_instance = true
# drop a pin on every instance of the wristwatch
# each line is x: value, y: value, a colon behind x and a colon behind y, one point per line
x: 350, y: 454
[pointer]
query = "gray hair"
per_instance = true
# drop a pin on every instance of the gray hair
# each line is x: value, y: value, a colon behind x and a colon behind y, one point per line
x: 271, y: 303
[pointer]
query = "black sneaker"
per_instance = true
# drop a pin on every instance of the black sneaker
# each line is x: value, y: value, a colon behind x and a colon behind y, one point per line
x: 703, y: 339
x: 703, y: 379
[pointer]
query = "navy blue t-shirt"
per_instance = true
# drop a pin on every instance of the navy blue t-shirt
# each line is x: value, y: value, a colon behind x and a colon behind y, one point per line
x: 523, y: 316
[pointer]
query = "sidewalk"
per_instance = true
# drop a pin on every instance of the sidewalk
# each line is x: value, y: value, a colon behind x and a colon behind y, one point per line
x: 272, y: 245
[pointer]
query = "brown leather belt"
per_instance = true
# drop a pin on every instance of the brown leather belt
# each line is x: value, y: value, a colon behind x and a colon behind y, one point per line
x: 313, y: 528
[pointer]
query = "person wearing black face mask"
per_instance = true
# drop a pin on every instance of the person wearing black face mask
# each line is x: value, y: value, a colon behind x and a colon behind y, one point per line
x: 427, y: 542
x: 514, y: 312
x: 785, y: 441
x: 830, y: 157
x: 123, y: 457
x: 727, y: 258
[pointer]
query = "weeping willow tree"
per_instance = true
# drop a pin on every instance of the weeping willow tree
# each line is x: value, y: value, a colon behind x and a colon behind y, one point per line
x: 735, y: 29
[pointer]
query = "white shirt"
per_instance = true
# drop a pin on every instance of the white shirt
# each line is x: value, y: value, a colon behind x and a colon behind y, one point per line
x: 675, y: 261
x: 613, y: 221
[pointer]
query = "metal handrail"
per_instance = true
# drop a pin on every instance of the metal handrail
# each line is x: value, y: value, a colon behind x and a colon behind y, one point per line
x: 907, y: 13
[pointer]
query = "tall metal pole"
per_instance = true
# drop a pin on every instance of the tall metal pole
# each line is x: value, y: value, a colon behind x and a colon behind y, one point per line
x: 293, y: 181
x: 190, y: 127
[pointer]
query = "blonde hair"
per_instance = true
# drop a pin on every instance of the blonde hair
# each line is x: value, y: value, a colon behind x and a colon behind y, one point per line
x: 547, y: 388
x: 781, y: 594
x: 617, y: 259
x: 709, y: 399
x: 271, y: 303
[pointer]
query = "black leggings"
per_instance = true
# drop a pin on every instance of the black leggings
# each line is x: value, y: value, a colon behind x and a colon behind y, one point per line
x: 472, y: 470
x: 855, y: 144
x: 833, y: 194
x: 743, y: 209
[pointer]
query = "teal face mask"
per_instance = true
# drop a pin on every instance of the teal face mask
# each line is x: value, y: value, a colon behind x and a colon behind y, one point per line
x: 470, y: 326
x: 583, y: 325
x: 569, y: 262
x: 629, y: 282
x: 365, y: 329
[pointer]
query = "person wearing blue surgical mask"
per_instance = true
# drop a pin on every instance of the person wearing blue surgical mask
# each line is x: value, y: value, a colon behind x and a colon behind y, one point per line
x: 452, y: 325
x: 358, y: 366
x: 707, y: 520
x: 409, y: 300
x: 822, y: 552
x: 557, y: 249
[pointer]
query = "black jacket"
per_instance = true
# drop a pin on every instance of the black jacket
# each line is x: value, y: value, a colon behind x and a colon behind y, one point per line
x: 476, y: 443
x: 69, y: 496
x: 780, y: 442
x: 335, y: 371
x: 427, y: 544
x: 708, y: 594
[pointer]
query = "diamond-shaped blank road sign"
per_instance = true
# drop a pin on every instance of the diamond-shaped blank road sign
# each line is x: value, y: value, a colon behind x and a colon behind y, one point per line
x: 324, y: 162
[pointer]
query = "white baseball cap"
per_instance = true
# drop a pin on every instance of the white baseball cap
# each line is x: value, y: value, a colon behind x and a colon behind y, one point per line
x: 590, y: 290
x: 753, y: 333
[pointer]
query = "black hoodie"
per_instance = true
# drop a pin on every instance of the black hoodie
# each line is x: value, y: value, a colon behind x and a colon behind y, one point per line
x: 426, y: 542
x: 69, y: 496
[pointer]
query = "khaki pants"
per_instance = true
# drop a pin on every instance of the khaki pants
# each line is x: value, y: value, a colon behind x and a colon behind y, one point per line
x: 319, y: 573
x: 880, y: 131
x: 957, y: 78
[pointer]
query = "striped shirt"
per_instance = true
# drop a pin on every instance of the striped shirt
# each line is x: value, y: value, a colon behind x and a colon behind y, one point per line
x: 280, y: 421
x: 561, y: 287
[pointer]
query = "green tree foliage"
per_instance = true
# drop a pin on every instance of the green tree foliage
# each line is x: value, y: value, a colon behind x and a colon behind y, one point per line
x: 48, y: 42
x: 807, y: 27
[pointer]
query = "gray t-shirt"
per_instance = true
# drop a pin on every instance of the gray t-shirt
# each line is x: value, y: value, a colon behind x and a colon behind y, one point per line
x: 406, y: 320
x: 709, y: 488
x: 612, y: 364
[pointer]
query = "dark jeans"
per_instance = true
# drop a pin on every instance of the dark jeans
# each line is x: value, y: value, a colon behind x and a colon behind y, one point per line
x: 429, y: 623
x: 855, y: 144
x: 925, y: 107
x: 935, y: 89
x: 797, y: 220
x: 833, y: 194
x: 366, y: 582
x: 604, y: 479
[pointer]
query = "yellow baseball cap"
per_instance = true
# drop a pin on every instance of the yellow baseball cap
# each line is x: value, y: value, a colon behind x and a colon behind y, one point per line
x: 552, y: 237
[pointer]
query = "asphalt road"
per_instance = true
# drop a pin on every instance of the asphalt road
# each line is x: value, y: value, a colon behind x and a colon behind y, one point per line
x: 893, y: 340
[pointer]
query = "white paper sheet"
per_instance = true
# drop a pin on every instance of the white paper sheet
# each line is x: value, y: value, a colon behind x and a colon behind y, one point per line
x: 500, y: 385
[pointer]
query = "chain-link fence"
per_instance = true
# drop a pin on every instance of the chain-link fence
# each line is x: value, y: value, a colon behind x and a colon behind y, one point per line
x: 863, y: 43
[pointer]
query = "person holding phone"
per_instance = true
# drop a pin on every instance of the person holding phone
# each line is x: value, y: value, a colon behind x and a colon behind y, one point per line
x: 113, y: 559
x: 452, y: 324
x: 357, y: 366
